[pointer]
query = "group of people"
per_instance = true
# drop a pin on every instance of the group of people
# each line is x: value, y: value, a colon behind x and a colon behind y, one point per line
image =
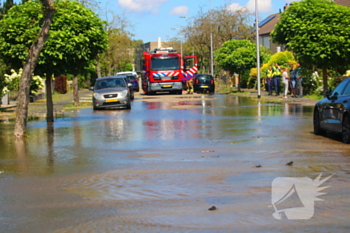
x: 290, y: 78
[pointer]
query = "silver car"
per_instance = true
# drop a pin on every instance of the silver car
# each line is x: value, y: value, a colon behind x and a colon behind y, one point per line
x: 111, y: 91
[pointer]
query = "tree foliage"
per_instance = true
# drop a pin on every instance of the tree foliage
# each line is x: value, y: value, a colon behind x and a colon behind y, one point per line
x: 5, y: 7
x: 77, y: 36
x: 239, y: 56
x: 121, y: 47
x: 318, y: 32
x: 223, y: 24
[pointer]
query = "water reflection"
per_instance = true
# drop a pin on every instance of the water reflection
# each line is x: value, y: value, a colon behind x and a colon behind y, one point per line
x: 160, y: 166
x: 50, y: 149
x: 22, y: 156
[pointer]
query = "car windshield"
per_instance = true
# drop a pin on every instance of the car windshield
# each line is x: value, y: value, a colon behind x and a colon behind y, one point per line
x: 204, y: 78
x: 165, y: 63
x: 209, y: 77
x: 110, y: 82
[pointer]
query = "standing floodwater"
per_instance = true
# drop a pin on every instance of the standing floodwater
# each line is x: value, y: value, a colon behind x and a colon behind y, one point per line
x: 160, y: 166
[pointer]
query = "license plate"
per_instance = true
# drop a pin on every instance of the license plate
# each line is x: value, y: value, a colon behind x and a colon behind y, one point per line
x: 167, y: 85
x: 111, y: 100
x: 205, y: 86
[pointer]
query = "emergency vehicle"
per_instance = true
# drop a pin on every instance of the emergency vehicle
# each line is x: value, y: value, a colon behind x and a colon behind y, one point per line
x: 164, y: 69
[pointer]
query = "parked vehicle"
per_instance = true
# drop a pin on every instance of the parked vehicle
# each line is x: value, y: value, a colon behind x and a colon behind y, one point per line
x: 204, y: 83
x: 111, y: 91
x: 132, y: 78
x: 135, y: 83
x: 165, y: 70
x: 127, y: 73
x: 131, y: 87
x: 332, y: 113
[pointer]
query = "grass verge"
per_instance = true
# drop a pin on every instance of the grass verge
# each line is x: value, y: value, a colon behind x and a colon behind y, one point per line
x: 81, y: 105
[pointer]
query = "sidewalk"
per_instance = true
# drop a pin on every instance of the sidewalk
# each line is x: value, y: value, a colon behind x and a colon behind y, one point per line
x: 272, y: 98
x: 38, y: 108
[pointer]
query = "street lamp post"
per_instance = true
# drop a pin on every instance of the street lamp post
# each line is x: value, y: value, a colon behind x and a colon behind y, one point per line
x: 211, y: 46
x: 257, y: 46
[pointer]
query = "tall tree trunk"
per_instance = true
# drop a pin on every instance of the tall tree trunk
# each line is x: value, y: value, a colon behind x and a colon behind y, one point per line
x: 239, y: 83
x: 28, y: 69
x: 325, y: 81
x: 98, y: 69
x: 109, y: 70
x: 49, y: 103
x: 75, y: 91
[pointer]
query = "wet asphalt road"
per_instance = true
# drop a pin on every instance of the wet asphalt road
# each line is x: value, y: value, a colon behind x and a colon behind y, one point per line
x: 159, y: 166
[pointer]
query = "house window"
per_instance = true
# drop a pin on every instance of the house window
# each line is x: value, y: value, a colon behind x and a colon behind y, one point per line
x: 266, y: 42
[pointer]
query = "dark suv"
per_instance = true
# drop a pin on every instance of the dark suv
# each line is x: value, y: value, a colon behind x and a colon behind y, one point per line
x: 131, y: 88
x: 204, y: 83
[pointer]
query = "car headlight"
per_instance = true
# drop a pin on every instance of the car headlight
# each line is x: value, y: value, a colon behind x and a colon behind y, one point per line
x: 97, y: 96
x: 124, y: 93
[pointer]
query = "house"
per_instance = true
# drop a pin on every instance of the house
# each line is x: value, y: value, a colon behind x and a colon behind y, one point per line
x: 267, y: 25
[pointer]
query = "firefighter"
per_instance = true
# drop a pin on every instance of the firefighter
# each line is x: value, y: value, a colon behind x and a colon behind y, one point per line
x: 189, y: 84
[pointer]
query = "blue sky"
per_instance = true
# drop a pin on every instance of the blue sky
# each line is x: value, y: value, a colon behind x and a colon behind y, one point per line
x: 156, y: 18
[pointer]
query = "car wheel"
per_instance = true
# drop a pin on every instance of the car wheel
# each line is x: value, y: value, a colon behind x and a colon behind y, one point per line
x: 346, y: 129
x: 128, y: 106
x: 317, y: 127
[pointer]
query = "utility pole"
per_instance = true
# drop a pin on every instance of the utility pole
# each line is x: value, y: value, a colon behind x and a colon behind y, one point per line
x: 257, y: 46
x: 211, y: 45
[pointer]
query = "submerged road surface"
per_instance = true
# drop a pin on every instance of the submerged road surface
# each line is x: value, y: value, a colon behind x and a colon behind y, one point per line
x: 162, y: 165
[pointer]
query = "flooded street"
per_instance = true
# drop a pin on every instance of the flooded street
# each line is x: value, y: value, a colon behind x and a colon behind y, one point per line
x: 160, y: 166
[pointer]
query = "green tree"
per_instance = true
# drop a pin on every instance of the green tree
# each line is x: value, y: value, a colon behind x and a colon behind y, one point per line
x: 238, y: 56
x: 318, y: 32
x: 223, y: 24
x: 77, y: 36
x: 121, y: 48
x: 5, y: 7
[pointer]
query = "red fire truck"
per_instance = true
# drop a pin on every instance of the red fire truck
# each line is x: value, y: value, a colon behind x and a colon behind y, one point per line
x: 164, y: 69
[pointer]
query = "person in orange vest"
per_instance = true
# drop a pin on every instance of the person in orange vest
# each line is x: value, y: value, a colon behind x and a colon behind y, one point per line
x: 276, y: 78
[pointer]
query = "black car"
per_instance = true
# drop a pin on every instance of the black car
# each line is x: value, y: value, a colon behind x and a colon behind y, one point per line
x: 204, y: 83
x: 332, y: 113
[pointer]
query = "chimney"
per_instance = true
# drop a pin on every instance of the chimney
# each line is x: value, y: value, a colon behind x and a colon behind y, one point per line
x: 159, y: 42
x: 286, y: 7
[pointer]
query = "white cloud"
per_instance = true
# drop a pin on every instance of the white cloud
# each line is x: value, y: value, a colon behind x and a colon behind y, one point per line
x: 179, y: 10
x: 141, y: 5
x: 264, y: 6
x: 233, y: 7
